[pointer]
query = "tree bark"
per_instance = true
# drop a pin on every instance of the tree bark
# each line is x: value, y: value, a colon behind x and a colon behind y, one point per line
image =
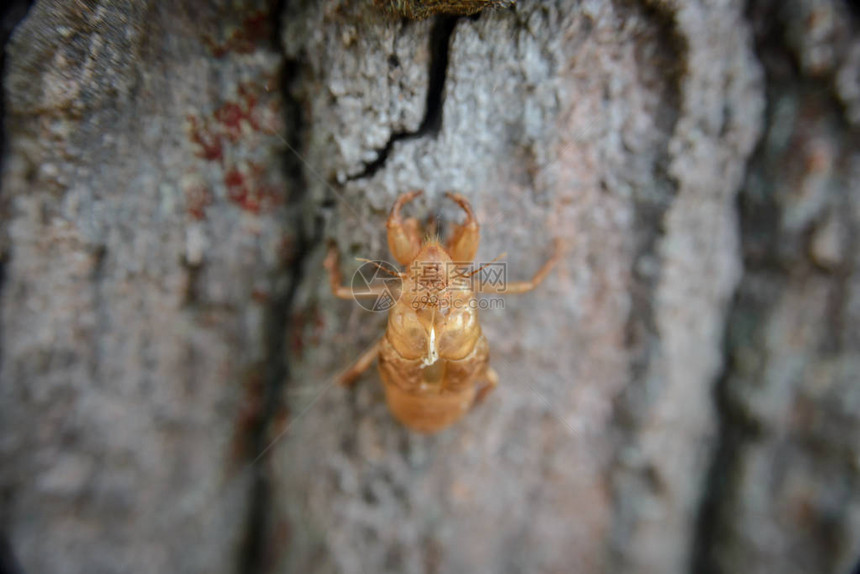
x: 680, y: 395
x: 142, y: 281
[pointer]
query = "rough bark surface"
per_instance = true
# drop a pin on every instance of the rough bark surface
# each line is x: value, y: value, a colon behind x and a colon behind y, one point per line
x: 681, y: 394
x: 138, y: 275
x: 596, y: 122
x: 786, y: 487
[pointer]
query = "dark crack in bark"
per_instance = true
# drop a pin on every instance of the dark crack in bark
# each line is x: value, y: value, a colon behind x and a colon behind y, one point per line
x: 11, y: 14
x: 100, y: 256
x: 777, y: 262
x: 642, y: 333
x: 642, y: 336
x: 255, y: 553
x: 440, y: 44
x: 8, y: 563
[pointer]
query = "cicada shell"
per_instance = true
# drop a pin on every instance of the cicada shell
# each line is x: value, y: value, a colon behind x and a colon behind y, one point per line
x: 434, y: 360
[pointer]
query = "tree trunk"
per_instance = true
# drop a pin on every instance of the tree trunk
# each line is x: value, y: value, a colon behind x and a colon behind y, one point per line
x: 680, y: 395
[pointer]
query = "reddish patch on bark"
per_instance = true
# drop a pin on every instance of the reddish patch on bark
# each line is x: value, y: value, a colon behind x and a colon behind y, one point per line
x: 287, y: 249
x: 260, y: 296
x: 249, y: 416
x: 246, y: 181
x: 249, y: 189
x: 233, y: 179
x: 280, y: 420
x: 307, y: 327
x: 297, y: 343
x: 197, y: 198
x: 227, y: 122
x: 264, y: 119
x: 252, y: 32
x: 319, y: 325
x: 211, y: 148
x: 230, y: 116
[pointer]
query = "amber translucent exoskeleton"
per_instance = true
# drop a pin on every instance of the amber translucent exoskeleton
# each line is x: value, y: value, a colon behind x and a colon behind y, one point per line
x: 433, y: 357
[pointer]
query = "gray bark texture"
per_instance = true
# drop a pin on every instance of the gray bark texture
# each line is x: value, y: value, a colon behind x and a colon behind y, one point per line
x: 681, y: 394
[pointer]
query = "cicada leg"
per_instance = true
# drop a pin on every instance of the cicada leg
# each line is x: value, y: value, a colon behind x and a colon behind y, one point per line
x: 349, y: 376
x: 491, y: 381
x: 332, y: 265
x: 404, y: 236
x: 463, y: 244
x: 518, y: 287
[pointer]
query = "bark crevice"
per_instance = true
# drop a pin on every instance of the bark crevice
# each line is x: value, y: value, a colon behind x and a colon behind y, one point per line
x: 440, y: 44
x: 642, y: 337
x: 254, y: 555
x: 782, y: 263
x: 11, y: 14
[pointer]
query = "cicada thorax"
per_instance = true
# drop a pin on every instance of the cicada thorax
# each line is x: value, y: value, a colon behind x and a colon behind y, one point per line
x: 436, y: 315
x: 447, y: 331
